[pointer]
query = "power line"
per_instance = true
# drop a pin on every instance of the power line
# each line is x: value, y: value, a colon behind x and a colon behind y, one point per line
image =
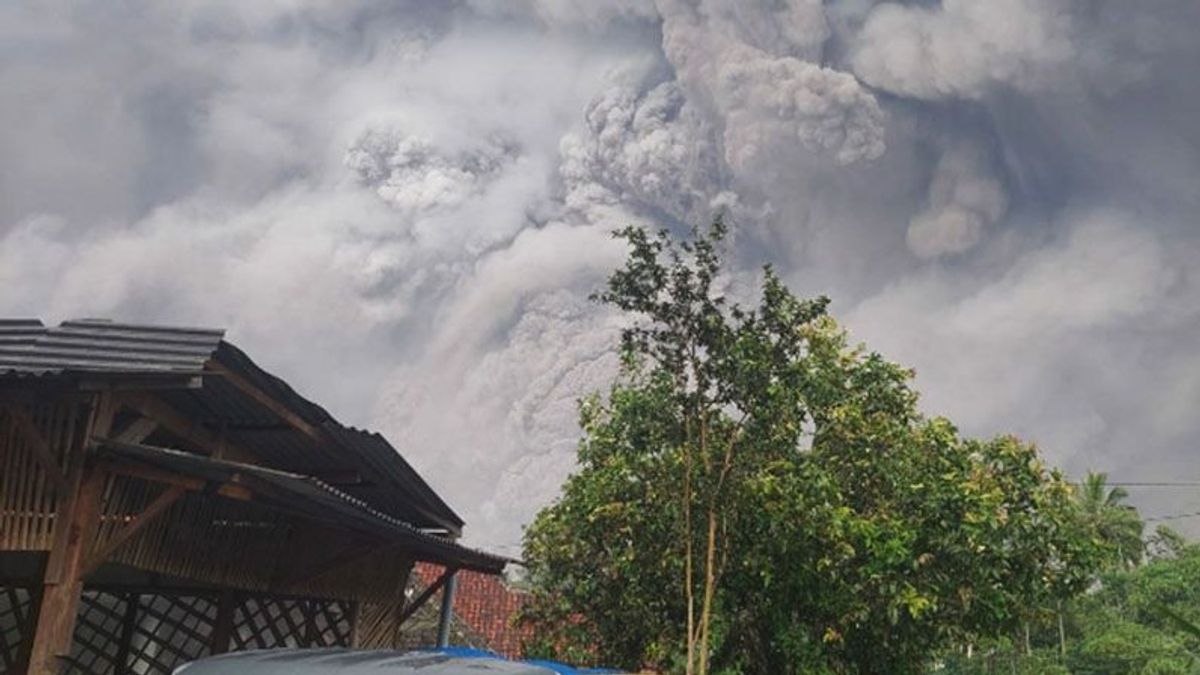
x: 1177, y: 516
x: 1167, y: 484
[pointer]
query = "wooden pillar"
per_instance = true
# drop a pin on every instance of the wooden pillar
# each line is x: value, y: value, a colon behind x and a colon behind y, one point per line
x: 25, y: 626
x: 355, y: 635
x: 128, y: 626
x: 222, y: 633
x: 63, y: 585
x: 311, y: 634
x: 76, y: 521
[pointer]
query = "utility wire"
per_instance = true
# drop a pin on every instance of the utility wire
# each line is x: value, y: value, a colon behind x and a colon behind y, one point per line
x: 1177, y: 516
x: 1142, y: 484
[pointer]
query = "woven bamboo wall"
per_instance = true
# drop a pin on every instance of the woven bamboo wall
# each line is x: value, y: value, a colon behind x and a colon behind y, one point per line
x: 240, y: 549
x: 27, y: 495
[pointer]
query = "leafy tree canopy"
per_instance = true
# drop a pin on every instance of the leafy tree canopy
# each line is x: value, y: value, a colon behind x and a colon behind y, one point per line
x: 755, y: 494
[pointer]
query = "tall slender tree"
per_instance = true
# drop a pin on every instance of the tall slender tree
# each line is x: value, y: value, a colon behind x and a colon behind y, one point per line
x: 1112, y: 519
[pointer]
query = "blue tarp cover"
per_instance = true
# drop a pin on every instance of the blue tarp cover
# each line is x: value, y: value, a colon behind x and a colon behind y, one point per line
x: 448, y: 661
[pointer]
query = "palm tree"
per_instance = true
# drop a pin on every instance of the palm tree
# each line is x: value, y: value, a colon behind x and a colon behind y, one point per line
x: 1115, y: 522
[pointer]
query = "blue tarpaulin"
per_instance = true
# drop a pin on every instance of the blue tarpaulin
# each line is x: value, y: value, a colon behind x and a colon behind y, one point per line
x: 446, y: 661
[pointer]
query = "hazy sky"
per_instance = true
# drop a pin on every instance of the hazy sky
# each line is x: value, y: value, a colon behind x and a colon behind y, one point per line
x: 401, y: 207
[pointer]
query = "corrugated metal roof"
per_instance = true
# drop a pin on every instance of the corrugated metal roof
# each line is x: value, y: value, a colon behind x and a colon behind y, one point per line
x: 382, y: 458
x: 311, y: 497
x: 102, y: 348
x: 96, y: 346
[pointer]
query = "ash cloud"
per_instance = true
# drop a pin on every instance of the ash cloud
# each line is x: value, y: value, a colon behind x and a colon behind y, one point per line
x: 401, y: 207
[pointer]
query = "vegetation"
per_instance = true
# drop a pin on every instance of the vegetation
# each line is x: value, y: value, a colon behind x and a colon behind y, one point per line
x: 756, y: 495
x: 1136, y: 621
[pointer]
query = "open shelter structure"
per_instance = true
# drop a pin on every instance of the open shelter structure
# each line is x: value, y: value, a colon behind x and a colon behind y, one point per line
x: 164, y: 498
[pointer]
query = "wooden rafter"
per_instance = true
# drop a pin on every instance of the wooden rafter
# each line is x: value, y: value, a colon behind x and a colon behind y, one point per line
x: 231, y: 489
x: 189, y: 430
x: 155, y: 476
x: 266, y: 400
x: 154, y: 509
x: 41, y: 449
x: 136, y: 431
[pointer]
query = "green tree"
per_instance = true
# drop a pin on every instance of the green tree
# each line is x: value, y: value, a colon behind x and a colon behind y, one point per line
x: 756, y: 495
x: 1116, y: 523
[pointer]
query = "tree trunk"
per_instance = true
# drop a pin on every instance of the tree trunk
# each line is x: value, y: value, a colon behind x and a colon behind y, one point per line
x: 689, y: 576
x: 710, y: 582
x: 1062, y: 634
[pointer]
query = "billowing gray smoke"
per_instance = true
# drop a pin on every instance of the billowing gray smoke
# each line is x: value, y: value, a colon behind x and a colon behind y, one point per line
x: 403, y: 206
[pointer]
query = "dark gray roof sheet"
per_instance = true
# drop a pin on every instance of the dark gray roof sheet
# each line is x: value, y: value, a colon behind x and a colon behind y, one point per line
x: 102, y: 348
x: 310, y: 497
x: 95, y: 346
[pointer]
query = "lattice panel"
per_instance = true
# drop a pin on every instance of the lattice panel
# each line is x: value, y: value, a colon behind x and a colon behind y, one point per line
x: 143, y: 634
x: 170, y: 631
x: 98, y: 629
x: 331, y: 624
x: 16, y: 614
x: 268, y: 623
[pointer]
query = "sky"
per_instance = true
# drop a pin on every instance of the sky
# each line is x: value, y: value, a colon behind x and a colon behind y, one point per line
x: 401, y: 207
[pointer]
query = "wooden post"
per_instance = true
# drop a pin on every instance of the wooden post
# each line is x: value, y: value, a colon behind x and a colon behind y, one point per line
x: 63, y: 585
x: 223, y: 628
x: 21, y: 664
x: 355, y: 633
x: 76, y: 521
x: 128, y: 626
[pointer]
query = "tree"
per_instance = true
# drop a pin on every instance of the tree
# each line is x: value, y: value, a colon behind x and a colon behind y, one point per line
x: 756, y: 495
x: 1116, y: 523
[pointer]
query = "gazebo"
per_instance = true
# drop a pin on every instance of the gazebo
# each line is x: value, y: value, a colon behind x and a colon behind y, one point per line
x: 163, y: 498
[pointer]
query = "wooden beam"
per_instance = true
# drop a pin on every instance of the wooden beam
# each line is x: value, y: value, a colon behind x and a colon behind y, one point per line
x: 222, y: 632
x: 154, y: 475
x: 155, y: 508
x: 230, y: 490
x: 266, y: 400
x: 239, y: 492
x: 40, y: 448
x: 128, y: 626
x: 426, y: 594
x: 159, y: 381
x: 136, y: 431
x: 188, y: 429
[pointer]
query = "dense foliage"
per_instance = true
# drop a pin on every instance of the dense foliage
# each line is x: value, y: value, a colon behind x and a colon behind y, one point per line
x: 756, y: 495
x: 1138, y: 620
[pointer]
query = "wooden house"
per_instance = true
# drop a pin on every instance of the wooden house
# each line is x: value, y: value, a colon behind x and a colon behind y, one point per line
x: 163, y: 498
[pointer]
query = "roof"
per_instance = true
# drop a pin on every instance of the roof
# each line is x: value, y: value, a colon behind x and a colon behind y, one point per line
x: 27, y: 346
x: 229, y: 400
x: 487, y: 607
x: 306, y: 496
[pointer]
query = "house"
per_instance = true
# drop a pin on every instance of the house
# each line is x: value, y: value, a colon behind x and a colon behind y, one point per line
x: 163, y: 498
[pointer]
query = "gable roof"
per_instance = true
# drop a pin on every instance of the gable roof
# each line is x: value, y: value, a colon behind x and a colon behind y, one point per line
x: 207, y: 380
x: 28, y: 346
